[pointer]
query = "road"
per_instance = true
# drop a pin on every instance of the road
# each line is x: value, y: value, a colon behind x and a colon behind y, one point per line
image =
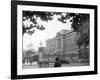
x: 29, y: 65
x: 75, y: 64
x: 36, y: 65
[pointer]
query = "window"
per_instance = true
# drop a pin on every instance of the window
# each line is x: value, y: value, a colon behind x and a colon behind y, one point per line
x: 59, y: 46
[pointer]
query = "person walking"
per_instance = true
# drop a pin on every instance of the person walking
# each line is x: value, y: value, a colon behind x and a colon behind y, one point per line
x: 57, y: 63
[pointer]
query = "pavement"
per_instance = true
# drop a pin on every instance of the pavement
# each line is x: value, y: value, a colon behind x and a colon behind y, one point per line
x: 31, y: 65
x: 75, y: 64
x: 36, y: 65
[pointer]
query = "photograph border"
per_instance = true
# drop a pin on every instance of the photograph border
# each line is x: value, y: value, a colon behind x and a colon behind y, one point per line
x: 14, y: 5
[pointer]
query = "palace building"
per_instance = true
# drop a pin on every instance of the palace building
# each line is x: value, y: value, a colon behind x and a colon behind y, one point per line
x: 64, y: 46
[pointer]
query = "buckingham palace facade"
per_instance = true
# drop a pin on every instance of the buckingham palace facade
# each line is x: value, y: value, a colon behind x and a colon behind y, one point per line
x: 64, y: 46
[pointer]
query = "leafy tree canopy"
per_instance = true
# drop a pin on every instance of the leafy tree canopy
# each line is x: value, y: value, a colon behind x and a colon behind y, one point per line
x: 33, y: 16
x: 80, y: 23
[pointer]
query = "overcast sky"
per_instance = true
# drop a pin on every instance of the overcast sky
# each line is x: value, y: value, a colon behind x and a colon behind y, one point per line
x: 40, y: 36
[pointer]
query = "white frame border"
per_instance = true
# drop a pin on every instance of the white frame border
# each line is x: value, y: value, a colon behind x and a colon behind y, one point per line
x: 21, y: 71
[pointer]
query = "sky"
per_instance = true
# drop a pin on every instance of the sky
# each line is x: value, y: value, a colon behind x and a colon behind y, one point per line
x: 40, y: 36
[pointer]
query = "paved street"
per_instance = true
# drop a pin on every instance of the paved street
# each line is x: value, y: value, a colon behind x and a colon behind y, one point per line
x: 75, y: 64
x: 29, y: 65
x: 36, y: 65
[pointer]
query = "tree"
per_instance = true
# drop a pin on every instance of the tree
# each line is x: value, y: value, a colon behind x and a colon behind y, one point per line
x: 32, y: 16
x: 80, y: 24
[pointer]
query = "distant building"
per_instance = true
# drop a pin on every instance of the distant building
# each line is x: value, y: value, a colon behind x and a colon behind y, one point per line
x: 64, y: 46
x: 51, y: 48
x: 41, y: 53
x: 70, y: 46
x: 28, y: 55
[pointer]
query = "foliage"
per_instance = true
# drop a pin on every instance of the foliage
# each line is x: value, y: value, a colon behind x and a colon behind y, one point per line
x: 33, y: 16
x: 80, y: 23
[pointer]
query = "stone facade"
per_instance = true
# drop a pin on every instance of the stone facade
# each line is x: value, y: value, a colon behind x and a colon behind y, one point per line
x: 63, y: 45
